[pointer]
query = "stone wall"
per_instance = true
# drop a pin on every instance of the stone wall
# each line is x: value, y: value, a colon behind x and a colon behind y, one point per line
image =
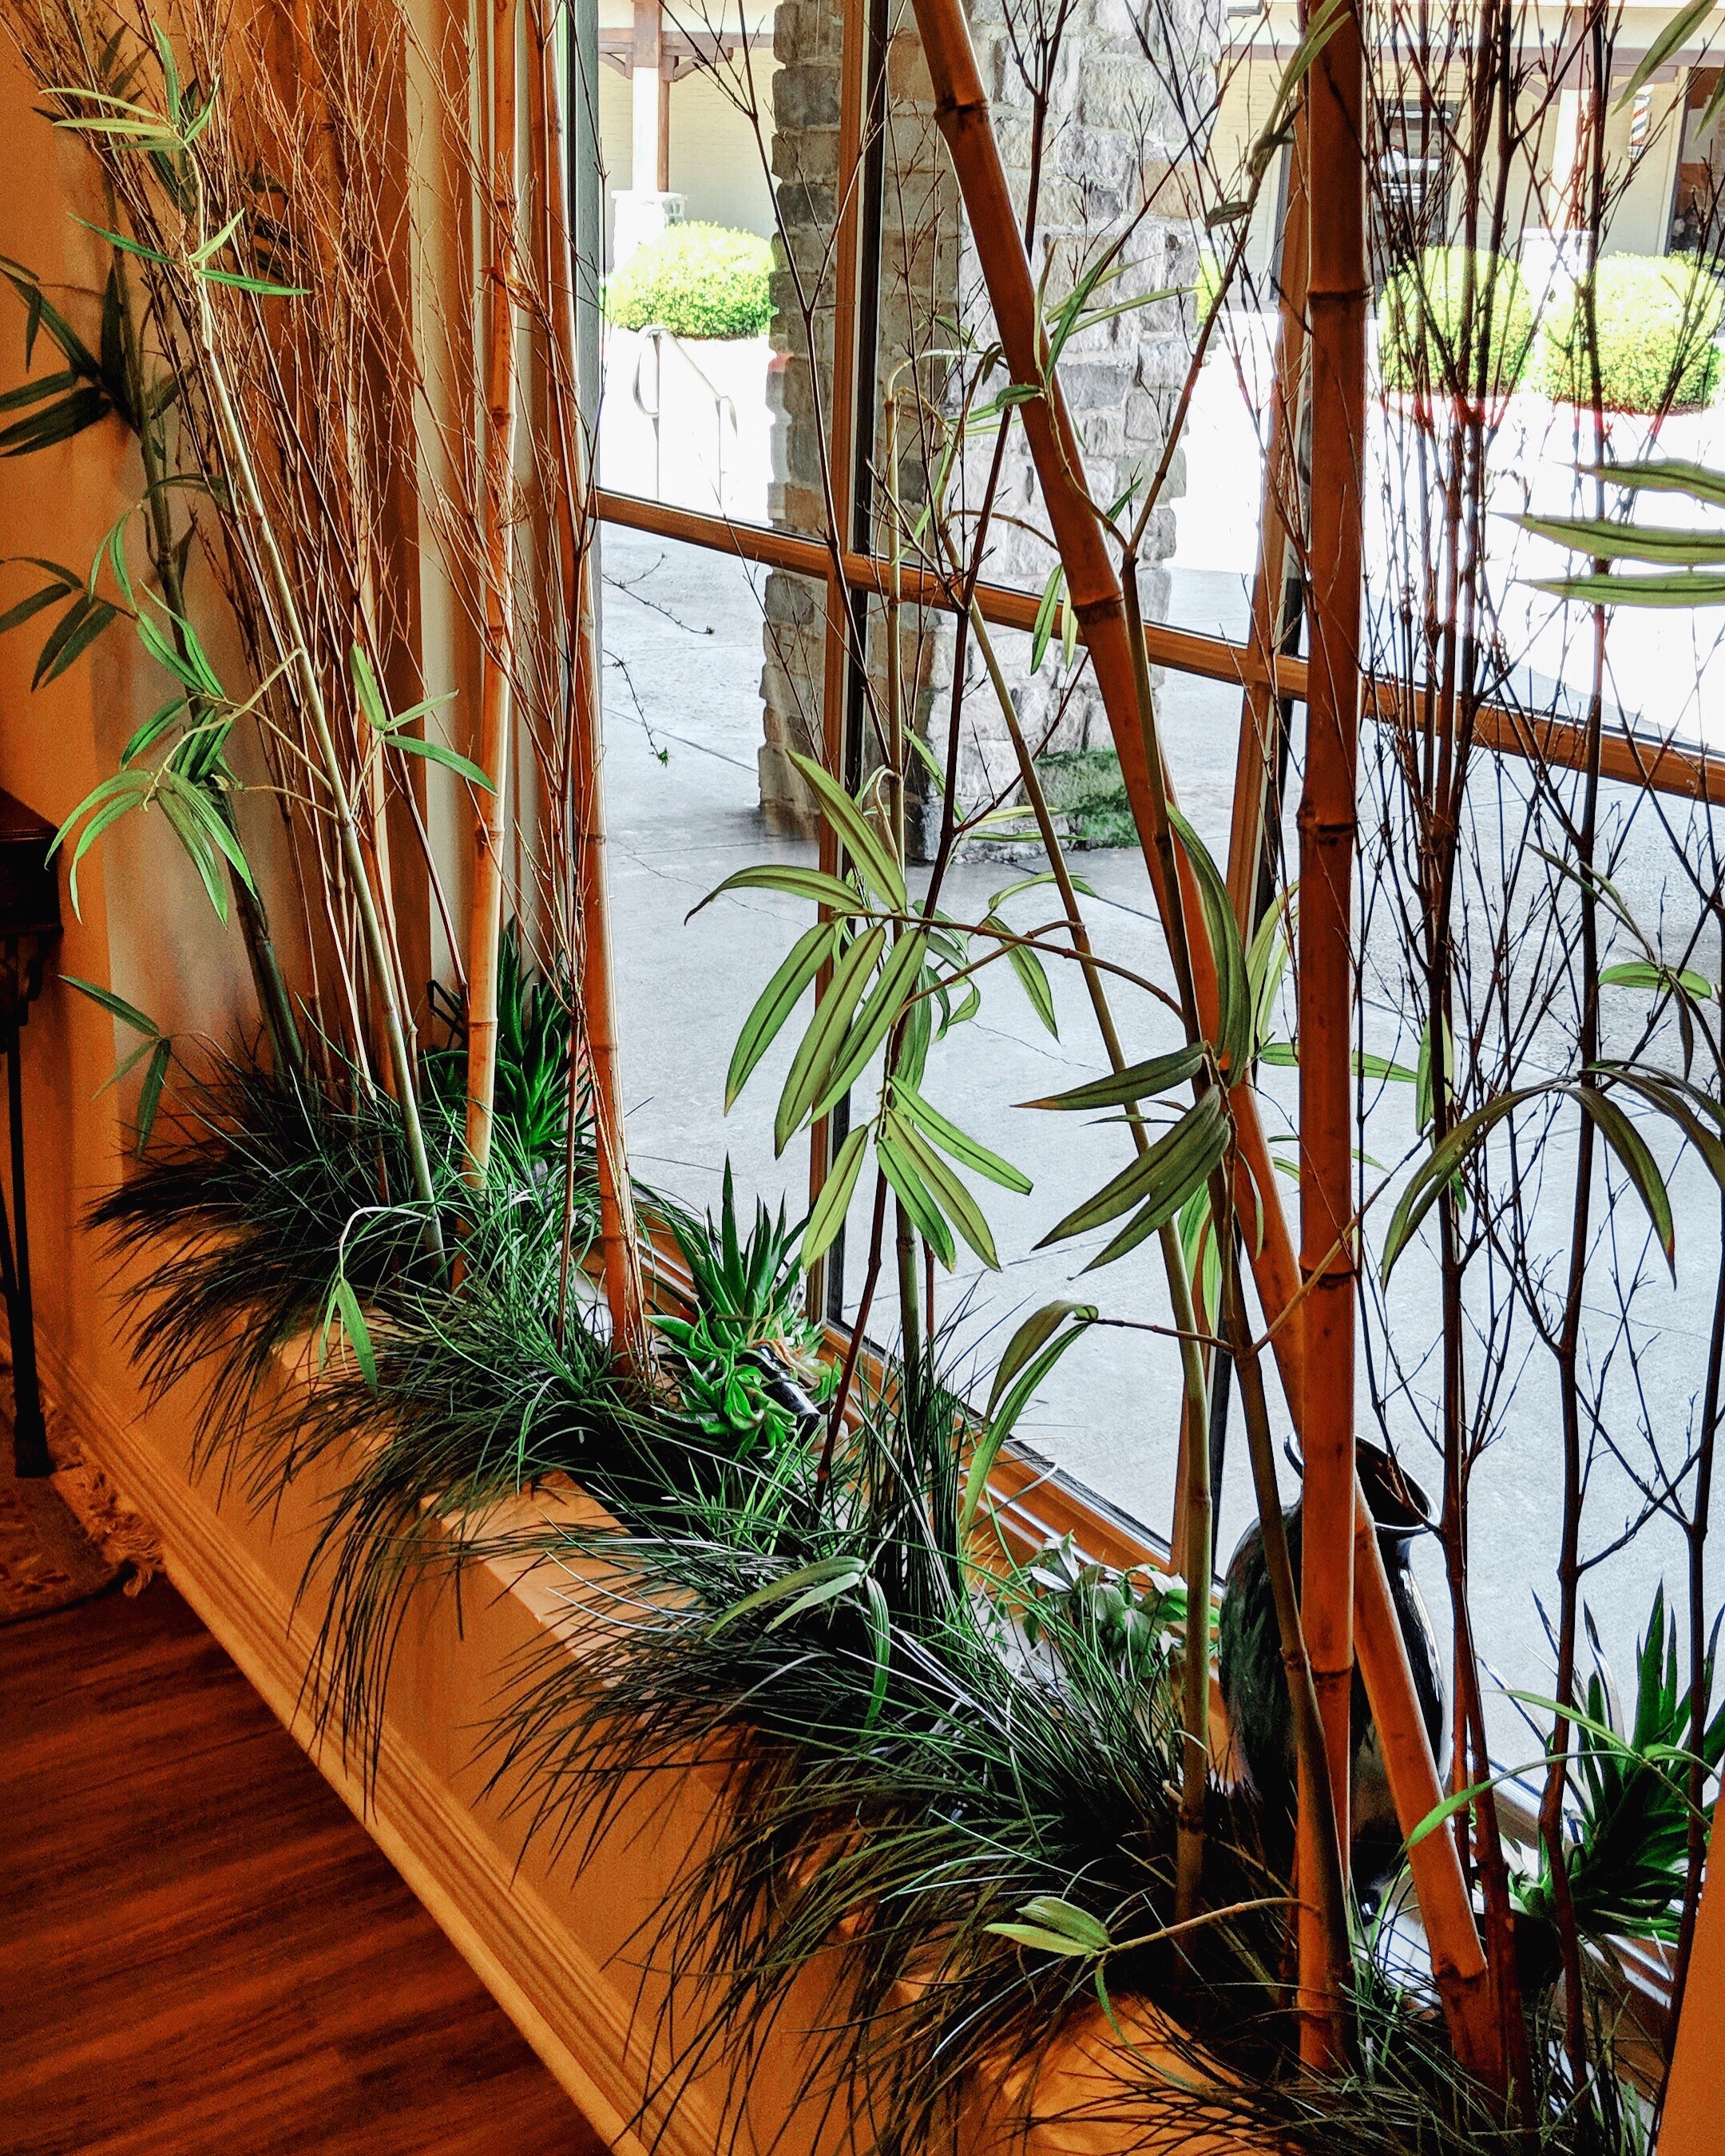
x: 1111, y: 137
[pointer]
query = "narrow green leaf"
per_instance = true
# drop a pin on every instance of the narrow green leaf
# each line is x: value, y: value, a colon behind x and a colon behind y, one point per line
x: 819, y: 1043
x: 1235, y: 1023
x: 1191, y: 1161
x: 1608, y: 538
x: 847, y: 1569
x: 833, y: 1203
x: 1162, y: 1174
x: 1010, y: 1405
x: 150, y: 1093
x: 931, y: 1225
x: 962, y: 1147
x: 435, y: 752
x: 371, y: 697
x: 1032, y: 1336
x: 77, y: 628
x: 875, y: 1018
x: 153, y: 728
x: 15, y: 617
x: 855, y: 832
x: 344, y: 1304
x: 1033, y: 979
x: 1665, y: 475
x: 1067, y: 1918
x: 1681, y: 587
x: 1640, y: 973
x: 115, y: 1006
x: 1138, y: 1081
x: 1435, y: 1172
x: 947, y: 1189
x: 795, y: 882
x: 34, y: 391
x: 775, y: 1003
x: 1677, y: 32
x: 1631, y: 1149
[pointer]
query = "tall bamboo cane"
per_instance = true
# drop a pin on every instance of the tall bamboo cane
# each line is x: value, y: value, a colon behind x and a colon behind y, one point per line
x: 485, y: 917
x: 1328, y: 819
x: 596, y: 1021
x: 962, y: 112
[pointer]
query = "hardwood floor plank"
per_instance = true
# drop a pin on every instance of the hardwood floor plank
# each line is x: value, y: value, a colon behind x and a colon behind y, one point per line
x: 202, y: 1953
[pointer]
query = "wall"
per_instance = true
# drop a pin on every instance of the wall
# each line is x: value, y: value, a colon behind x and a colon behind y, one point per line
x: 715, y: 161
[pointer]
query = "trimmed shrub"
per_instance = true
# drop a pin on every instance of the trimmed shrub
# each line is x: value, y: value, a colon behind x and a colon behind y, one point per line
x: 1422, y: 310
x: 1657, y: 317
x: 697, y: 280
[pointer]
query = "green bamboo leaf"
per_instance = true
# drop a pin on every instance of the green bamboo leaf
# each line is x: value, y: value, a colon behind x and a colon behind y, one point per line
x: 115, y: 1006
x: 1665, y: 475
x: 820, y: 1043
x: 1443, y: 1162
x: 812, y: 1597
x: 844, y: 1568
x: 833, y: 1203
x: 1162, y: 1174
x: 372, y: 701
x: 32, y: 392
x: 1120, y: 1089
x: 795, y: 882
x: 1045, y: 613
x: 264, y: 286
x: 450, y: 759
x: 344, y: 1305
x: 56, y: 422
x: 1032, y: 1336
x: 1681, y: 587
x: 1608, y: 538
x: 1032, y: 978
x: 1640, y: 973
x: 210, y: 819
x: 961, y: 1146
x: 1011, y: 1403
x: 1677, y: 32
x: 1674, y: 1099
x: 875, y: 1018
x: 1192, y: 1156
x: 153, y: 728
x: 212, y: 248
x: 104, y: 805
x: 775, y: 1003
x: 150, y: 1093
x: 1037, y: 1935
x: 855, y: 832
x: 1236, y: 1003
x: 931, y: 1224
x: 199, y: 849
x: 25, y: 609
x: 947, y: 1189
x: 1068, y: 1920
x: 77, y: 628
x: 1632, y: 1150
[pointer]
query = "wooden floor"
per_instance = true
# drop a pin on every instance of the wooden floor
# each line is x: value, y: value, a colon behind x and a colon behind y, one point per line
x: 201, y: 1950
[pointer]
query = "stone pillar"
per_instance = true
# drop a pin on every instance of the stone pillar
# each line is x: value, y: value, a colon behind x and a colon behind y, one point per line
x: 1111, y: 136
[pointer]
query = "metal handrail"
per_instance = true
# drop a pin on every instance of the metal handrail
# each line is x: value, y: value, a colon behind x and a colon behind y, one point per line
x: 656, y: 333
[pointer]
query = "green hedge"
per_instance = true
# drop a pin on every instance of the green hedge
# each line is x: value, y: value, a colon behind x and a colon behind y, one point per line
x: 1657, y: 317
x: 1422, y: 303
x: 697, y: 280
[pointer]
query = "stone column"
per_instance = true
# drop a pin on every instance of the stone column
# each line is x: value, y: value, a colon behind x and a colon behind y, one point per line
x: 1111, y: 137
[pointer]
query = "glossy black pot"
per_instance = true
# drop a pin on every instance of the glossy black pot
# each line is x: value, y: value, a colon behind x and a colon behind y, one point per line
x: 1256, y: 1691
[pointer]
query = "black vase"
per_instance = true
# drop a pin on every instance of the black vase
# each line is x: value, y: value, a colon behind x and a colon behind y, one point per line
x: 1255, y: 1687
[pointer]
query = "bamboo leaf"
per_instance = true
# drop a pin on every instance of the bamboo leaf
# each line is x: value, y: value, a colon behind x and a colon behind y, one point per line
x: 77, y: 628
x: 1032, y: 978
x: 25, y: 609
x: 1138, y: 1081
x: 32, y: 392
x: 1608, y: 538
x: 855, y: 832
x: 1007, y: 1404
x: 150, y: 1093
x: 1640, y: 973
x: 1665, y: 475
x: 947, y: 1189
x: 1032, y: 1336
x: 820, y: 1043
x: 435, y: 752
x: 1189, y: 1166
x: 1162, y: 1175
x: 1236, y: 1003
x: 344, y: 1305
x: 1435, y: 1172
x: 372, y: 701
x: 898, y: 981
x: 833, y: 1203
x: 1676, y: 33
x: 1680, y: 587
x: 153, y: 728
x: 961, y: 1146
x: 844, y: 1569
x: 1632, y: 1150
x: 795, y: 882
x: 1037, y: 1935
x: 115, y: 1006
x: 775, y: 1003
x: 931, y: 1225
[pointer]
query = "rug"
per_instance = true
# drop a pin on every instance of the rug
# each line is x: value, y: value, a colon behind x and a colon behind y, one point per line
x: 67, y: 1536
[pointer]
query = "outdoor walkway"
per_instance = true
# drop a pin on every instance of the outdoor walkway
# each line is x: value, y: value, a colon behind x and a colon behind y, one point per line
x: 202, y: 1953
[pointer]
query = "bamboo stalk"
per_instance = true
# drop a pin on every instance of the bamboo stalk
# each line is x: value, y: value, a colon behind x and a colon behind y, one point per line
x: 962, y: 112
x: 619, y: 1248
x: 289, y: 638
x: 486, y: 914
x: 1327, y: 822
x: 1194, y: 1542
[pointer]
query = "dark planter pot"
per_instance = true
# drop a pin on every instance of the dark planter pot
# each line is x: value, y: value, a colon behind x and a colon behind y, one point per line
x: 1255, y: 1688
